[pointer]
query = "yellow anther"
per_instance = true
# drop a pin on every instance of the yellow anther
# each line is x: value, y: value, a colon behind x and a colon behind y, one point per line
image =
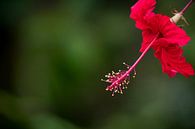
x: 126, y: 65
x: 103, y: 80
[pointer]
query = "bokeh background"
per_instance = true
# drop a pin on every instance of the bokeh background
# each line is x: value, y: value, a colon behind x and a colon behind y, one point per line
x: 54, y: 53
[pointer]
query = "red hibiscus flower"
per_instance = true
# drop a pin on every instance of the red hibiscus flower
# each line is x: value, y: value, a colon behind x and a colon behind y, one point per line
x: 162, y: 35
x: 170, y: 39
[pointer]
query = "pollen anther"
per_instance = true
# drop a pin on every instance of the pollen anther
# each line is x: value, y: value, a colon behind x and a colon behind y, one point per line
x: 118, y: 80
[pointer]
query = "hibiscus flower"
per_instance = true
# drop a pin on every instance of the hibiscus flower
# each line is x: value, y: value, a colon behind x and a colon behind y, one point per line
x: 160, y: 33
x: 170, y: 39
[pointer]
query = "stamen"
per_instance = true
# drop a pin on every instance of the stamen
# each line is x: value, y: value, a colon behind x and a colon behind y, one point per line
x: 128, y: 66
x: 103, y: 80
x: 134, y: 75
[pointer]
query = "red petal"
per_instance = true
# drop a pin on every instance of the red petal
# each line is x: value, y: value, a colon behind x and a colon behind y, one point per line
x: 168, y: 31
x: 172, y: 60
x: 141, y: 9
x: 148, y: 36
x: 172, y: 33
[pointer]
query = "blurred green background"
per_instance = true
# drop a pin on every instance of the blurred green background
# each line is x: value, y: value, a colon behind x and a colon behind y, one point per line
x: 54, y: 53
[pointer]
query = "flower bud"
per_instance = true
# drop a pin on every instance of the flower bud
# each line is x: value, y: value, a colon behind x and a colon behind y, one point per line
x: 176, y: 17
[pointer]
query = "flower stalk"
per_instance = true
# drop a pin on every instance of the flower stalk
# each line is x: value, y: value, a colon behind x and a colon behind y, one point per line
x: 186, y: 7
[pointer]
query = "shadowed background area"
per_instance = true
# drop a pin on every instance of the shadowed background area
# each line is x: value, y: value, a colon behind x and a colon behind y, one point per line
x: 54, y: 53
